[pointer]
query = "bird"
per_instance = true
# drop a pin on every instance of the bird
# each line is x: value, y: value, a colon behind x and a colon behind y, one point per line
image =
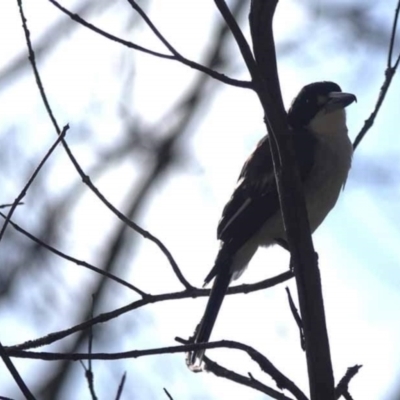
x: 252, y: 217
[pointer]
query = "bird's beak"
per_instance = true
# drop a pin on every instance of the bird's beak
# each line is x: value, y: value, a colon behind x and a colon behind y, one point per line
x: 339, y: 100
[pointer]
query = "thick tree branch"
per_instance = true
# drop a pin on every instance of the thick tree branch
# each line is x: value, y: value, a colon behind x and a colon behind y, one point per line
x: 293, y: 206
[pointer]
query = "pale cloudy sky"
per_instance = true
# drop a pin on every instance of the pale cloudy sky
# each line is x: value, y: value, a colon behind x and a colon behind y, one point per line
x: 357, y: 244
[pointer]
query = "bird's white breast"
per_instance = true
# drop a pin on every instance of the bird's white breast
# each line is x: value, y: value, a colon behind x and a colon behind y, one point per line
x: 332, y: 162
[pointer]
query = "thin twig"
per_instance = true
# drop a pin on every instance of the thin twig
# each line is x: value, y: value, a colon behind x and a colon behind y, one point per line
x: 343, y: 386
x: 239, y: 37
x: 15, y: 374
x: 146, y: 234
x: 297, y: 318
x: 84, y: 177
x: 166, y: 350
x: 222, y: 372
x: 177, y: 57
x: 32, y: 60
x: 393, y: 34
x: 282, y: 381
x: 168, y: 394
x: 74, y: 260
x: 31, y: 179
x: 389, y: 74
x: 121, y: 387
x: 89, y: 370
x: 150, y: 299
x: 10, y: 205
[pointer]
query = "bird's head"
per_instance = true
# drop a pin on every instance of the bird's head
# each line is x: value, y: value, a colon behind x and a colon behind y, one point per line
x: 319, y: 107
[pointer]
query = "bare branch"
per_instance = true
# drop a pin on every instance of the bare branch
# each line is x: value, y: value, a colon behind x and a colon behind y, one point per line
x: 149, y: 299
x: 84, y: 177
x: 176, y: 57
x: 146, y: 234
x: 19, y: 198
x: 292, y: 204
x: 52, y: 356
x: 389, y: 74
x: 297, y: 318
x: 168, y: 394
x: 266, y: 365
x: 263, y: 362
x: 74, y: 260
x: 393, y: 35
x: 343, y: 385
x: 89, y: 370
x: 239, y: 37
x: 282, y: 381
x: 222, y: 372
x: 32, y: 60
x: 121, y: 387
x: 15, y: 374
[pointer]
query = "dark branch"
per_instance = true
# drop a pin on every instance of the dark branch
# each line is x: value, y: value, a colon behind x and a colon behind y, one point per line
x: 239, y: 37
x: 74, y: 260
x: 149, y: 299
x: 297, y: 318
x: 121, y: 387
x: 15, y: 374
x: 389, y: 74
x: 343, y: 385
x: 24, y: 191
x: 266, y: 365
x: 89, y: 370
x: 292, y: 204
x: 393, y: 35
x: 146, y: 234
x: 282, y: 381
x: 168, y: 394
x: 222, y: 372
x: 84, y: 177
x: 176, y: 57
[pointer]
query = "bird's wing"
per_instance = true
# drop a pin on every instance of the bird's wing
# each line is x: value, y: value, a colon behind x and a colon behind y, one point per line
x: 255, y: 198
x: 253, y: 202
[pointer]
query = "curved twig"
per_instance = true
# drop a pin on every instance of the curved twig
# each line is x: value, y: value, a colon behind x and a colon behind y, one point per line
x: 176, y: 57
x: 149, y: 299
x: 84, y: 177
x: 281, y: 380
x: 389, y: 74
x: 74, y: 260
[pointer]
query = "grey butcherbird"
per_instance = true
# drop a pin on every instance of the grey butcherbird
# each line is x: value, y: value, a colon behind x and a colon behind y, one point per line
x: 251, y: 218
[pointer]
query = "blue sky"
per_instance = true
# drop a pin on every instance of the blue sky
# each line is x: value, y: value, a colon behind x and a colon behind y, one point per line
x: 357, y: 244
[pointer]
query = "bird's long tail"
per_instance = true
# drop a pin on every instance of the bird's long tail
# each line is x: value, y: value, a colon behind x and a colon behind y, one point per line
x: 204, y: 329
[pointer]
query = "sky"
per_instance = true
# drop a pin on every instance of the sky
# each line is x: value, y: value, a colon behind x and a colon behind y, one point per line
x: 357, y: 244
